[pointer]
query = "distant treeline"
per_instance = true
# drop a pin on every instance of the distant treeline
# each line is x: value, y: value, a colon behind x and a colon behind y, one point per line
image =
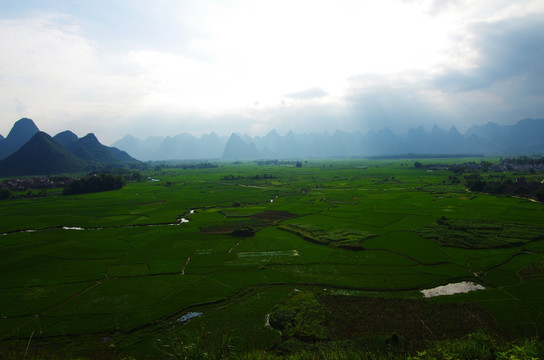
x: 278, y: 162
x: 524, y: 160
x: 95, y: 183
x: 158, y: 165
x: 5, y: 194
x: 522, y: 164
x: 250, y: 177
x: 517, y: 187
x: 470, y: 166
x: 423, y: 156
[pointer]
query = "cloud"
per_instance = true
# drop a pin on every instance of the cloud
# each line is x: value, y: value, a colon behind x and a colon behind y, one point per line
x: 168, y: 67
x: 504, y: 83
x: 378, y: 101
x: 52, y: 73
x: 439, y: 6
x: 20, y: 105
x: 310, y: 93
x: 507, y: 49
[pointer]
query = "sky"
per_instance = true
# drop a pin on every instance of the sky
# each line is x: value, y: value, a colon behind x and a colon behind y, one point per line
x: 164, y: 67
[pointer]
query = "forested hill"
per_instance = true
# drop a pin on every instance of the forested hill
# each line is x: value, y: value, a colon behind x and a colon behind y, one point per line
x: 28, y: 151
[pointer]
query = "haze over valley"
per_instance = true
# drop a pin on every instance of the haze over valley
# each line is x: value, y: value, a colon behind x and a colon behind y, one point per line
x: 523, y: 137
x: 27, y: 151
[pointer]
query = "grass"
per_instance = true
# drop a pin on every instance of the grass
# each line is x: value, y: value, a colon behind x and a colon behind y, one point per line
x: 368, y: 236
x: 344, y: 238
x: 479, y: 234
x: 534, y: 270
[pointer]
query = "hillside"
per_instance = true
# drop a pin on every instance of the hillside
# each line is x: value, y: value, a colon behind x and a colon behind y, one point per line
x: 31, y: 152
x: 41, y: 155
x: 92, y: 151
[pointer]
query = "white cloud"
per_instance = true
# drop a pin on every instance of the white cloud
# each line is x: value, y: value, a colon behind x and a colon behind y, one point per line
x: 310, y: 93
x: 57, y: 76
x: 253, y: 66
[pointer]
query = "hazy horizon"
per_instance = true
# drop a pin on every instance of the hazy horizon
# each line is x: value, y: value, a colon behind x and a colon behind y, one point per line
x: 161, y: 68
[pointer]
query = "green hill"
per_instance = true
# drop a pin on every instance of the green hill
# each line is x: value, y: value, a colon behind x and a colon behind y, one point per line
x: 66, y: 138
x: 41, y: 155
x: 92, y: 151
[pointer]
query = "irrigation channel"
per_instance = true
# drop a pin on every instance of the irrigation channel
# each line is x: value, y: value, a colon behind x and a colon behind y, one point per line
x: 181, y: 220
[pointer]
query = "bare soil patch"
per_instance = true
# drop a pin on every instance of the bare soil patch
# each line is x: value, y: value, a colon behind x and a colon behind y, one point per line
x: 273, y: 215
x: 249, y: 227
x: 414, y: 321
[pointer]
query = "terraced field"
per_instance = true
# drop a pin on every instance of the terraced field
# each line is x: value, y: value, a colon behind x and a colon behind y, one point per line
x: 122, y: 267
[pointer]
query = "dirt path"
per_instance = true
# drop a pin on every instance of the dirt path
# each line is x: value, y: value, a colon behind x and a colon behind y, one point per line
x: 182, y: 272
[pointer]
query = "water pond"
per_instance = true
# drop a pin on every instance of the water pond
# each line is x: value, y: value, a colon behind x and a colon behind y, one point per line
x: 189, y: 316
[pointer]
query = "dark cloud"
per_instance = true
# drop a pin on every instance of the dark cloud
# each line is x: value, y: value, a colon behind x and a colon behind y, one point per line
x: 509, y: 49
x: 309, y: 93
x: 505, y: 85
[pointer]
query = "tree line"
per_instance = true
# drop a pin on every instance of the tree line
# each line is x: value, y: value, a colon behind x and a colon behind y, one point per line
x: 95, y: 183
x: 250, y: 177
x: 519, y: 186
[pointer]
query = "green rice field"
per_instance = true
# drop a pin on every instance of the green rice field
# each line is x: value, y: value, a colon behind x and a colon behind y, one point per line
x: 119, y: 269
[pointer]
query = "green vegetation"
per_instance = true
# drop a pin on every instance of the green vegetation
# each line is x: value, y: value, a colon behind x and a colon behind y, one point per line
x: 5, y: 194
x: 95, y: 183
x: 349, y: 239
x: 250, y: 177
x: 518, y: 186
x: 300, y: 318
x: 479, y: 234
x: 333, y: 253
x: 533, y: 270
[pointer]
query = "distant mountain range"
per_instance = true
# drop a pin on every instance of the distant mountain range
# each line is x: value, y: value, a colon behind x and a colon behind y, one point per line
x: 28, y: 151
x: 524, y: 137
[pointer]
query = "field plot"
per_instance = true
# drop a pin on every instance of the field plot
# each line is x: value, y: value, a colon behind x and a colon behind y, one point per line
x: 356, y: 236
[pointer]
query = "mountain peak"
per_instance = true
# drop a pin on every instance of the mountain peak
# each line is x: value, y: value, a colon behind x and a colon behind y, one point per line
x: 24, y: 123
x: 272, y: 133
x: 453, y: 131
x: 90, y: 137
x: 237, y: 149
x: 436, y: 130
x: 23, y: 129
x: 20, y: 133
x: 65, y: 138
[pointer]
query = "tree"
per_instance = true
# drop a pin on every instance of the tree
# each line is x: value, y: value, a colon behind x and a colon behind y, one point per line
x: 5, y: 194
x: 539, y: 195
x: 95, y: 183
x: 475, y: 182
